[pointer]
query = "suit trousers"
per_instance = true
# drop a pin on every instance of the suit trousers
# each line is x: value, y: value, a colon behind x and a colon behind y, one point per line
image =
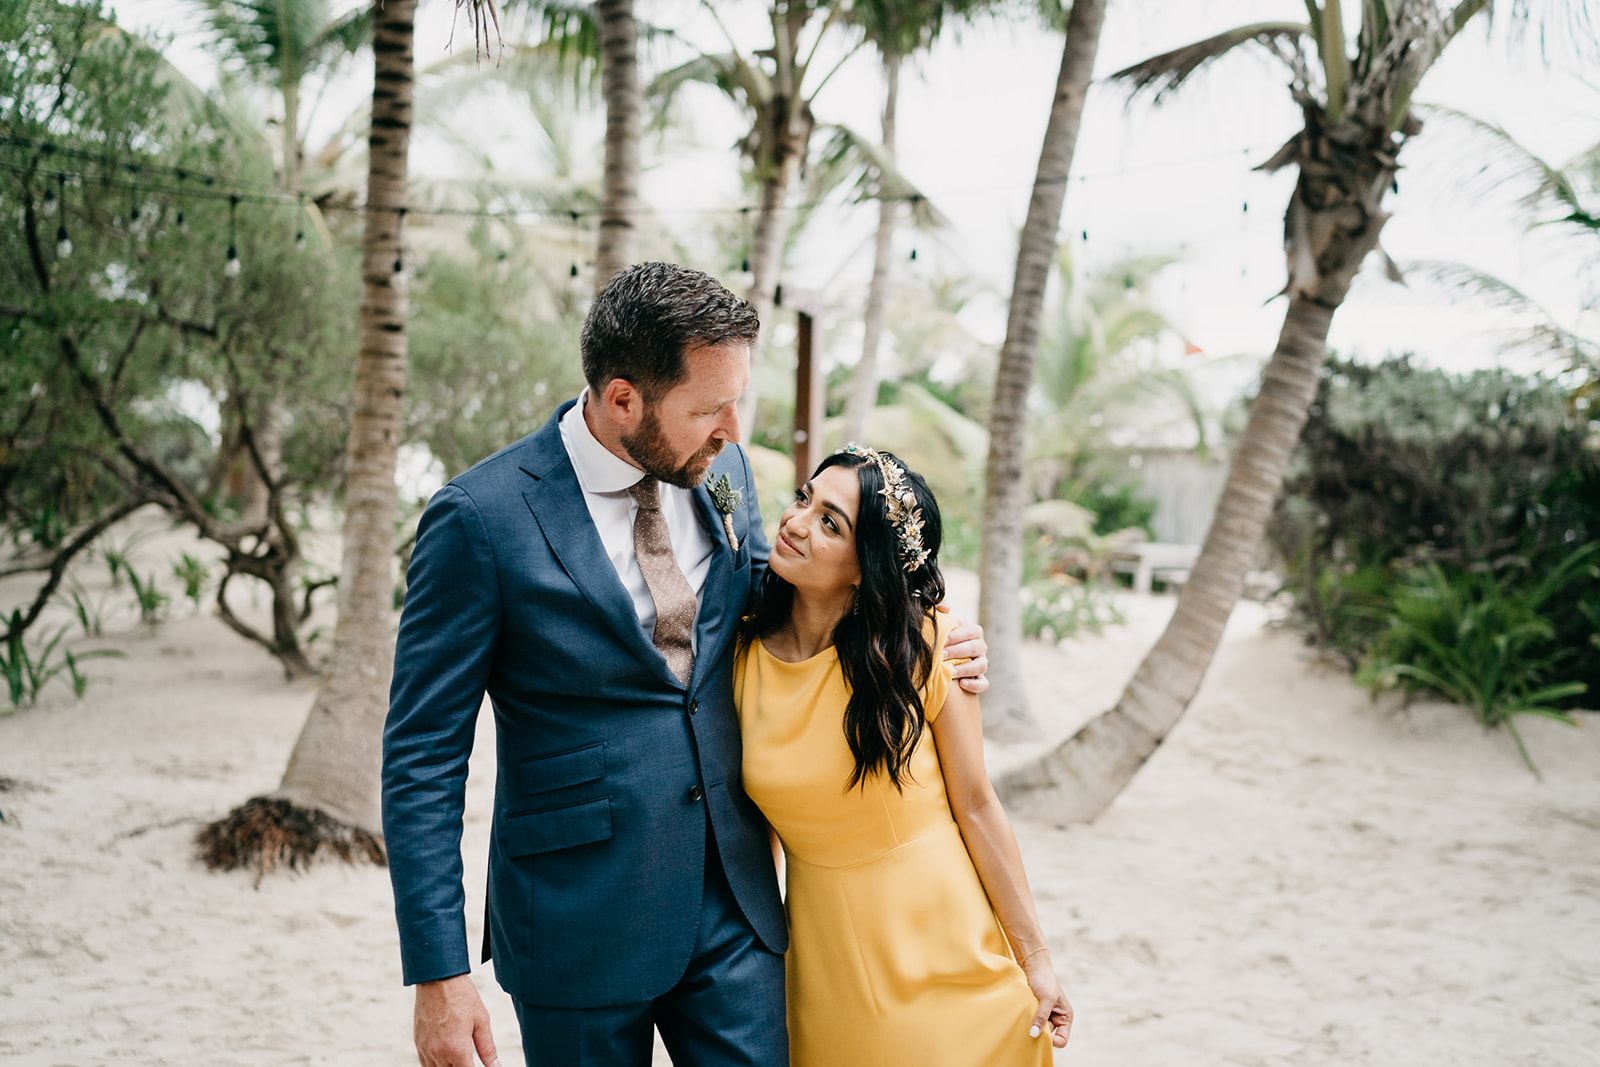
x: 726, y: 1011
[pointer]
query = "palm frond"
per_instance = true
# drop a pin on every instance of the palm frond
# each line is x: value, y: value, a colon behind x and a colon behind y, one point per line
x: 345, y: 36
x: 1541, y: 333
x: 1164, y: 73
x: 847, y: 155
x: 1519, y: 166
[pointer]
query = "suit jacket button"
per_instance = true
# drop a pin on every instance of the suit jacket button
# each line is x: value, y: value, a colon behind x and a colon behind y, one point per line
x: 696, y: 794
x: 694, y: 706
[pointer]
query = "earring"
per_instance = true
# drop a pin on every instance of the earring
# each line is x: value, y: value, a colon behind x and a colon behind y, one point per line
x: 855, y: 601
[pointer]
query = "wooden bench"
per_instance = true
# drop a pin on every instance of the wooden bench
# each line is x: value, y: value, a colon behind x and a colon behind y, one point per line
x: 1146, y: 561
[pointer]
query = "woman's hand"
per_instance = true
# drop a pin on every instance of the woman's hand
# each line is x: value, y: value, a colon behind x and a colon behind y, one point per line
x: 1055, y: 1012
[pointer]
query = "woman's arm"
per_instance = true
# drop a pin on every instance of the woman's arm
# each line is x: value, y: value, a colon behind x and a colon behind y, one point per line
x: 958, y: 736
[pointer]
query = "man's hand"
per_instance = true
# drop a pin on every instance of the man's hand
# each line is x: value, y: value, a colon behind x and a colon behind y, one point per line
x: 966, y: 642
x: 451, y: 1023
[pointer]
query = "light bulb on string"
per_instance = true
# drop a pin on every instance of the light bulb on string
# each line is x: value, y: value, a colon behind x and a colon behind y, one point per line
x: 233, y: 266
x: 133, y: 196
x: 63, y: 242
x: 300, y: 224
x: 575, y: 241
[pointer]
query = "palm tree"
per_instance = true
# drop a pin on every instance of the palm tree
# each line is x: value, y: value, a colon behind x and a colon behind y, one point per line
x: 999, y: 607
x: 281, y: 43
x: 899, y: 29
x: 619, y: 200
x: 775, y: 88
x: 1357, y: 117
x: 329, y: 794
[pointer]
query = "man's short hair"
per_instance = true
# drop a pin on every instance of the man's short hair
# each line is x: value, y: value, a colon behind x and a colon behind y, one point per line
x: 649, y: 315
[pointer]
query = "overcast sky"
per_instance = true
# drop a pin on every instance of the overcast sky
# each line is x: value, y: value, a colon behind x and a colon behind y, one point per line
x: 1174, y: 179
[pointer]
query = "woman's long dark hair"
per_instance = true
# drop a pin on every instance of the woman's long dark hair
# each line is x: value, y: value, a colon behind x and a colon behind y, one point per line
x: 882, y: 644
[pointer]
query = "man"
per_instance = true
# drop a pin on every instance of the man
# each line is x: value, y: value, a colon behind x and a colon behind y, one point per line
x: 587, y: 579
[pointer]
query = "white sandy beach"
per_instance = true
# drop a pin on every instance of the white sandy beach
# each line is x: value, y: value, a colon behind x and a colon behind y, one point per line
x: 1299, y: 876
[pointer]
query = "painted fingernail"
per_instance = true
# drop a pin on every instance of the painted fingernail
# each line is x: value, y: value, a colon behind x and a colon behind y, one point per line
x: 1033, y: 1031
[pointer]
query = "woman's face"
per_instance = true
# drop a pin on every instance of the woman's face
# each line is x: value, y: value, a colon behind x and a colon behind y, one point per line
x: 816, y: 544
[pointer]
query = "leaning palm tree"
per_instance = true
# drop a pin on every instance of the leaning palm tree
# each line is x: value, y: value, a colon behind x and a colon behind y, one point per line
x: 1357, y: 116
x: 328, y: 798
x: 1000, y: 606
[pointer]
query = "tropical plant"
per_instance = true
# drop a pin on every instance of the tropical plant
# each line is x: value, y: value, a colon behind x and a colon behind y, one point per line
x: 1097, y: 375
x: 152, y: 602
x: 1055, y: 608
x: 28, y: 671
x: 1481, y: 640
x: 1006, y: 708
x: 194, y: 575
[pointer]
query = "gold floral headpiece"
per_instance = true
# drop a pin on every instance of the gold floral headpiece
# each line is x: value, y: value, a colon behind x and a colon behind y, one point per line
x: 901, y: 503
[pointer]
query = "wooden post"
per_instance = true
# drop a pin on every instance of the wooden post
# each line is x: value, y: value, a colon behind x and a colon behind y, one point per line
x: 810, y: 395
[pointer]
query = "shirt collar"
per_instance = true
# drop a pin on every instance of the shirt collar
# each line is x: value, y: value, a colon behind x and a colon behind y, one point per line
x: 599, y: 470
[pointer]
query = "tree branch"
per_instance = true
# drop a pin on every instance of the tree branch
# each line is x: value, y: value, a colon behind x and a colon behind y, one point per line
x: 63, y: 556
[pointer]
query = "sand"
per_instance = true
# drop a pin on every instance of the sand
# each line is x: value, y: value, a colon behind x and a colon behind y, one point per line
x: 1298, y: 877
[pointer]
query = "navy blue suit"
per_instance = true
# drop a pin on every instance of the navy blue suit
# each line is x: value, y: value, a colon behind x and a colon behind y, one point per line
x: 613, y: 777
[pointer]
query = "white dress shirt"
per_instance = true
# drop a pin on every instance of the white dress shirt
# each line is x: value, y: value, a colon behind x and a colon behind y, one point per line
x: 605, y: 479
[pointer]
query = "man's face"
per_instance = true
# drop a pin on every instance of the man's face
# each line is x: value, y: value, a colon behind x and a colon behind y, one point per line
x: 682, y: 432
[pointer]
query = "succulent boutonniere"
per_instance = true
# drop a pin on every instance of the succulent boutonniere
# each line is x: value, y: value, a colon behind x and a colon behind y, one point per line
x: 728, y: 500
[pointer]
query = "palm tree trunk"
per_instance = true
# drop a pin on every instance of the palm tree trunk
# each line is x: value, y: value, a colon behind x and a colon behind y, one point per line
x: 766, y: 253
x: 291, y: 136
x: 619, y: 202
x: 864, y: 381
x: 329, y: 794
x: 1000, y: 609
x: 1326, y: 245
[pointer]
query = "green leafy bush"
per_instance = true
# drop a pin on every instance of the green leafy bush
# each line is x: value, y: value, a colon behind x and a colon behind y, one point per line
x: 1482, y: 640
x: 1056, y: 608
x: 1410, y: 481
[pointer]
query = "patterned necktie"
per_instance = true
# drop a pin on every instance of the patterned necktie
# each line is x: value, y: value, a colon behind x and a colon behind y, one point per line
x: 669, y: 589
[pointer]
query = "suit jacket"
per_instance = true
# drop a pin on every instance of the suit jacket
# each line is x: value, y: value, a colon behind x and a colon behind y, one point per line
x: 609, y: 769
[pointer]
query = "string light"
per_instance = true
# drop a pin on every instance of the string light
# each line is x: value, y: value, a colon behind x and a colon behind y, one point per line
x: 575, y: 241
x: 300, y: 224
x: 63, y: 242
x: 233, y: 267
x: 744, y: 218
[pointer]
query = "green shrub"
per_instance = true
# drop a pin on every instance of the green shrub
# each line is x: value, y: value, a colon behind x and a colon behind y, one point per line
x: 1056, y: 608
x: 1486, y: 473
x: 1482, y: 640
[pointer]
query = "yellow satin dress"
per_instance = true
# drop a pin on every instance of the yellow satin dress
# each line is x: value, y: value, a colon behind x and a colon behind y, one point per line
x: 895, y: 955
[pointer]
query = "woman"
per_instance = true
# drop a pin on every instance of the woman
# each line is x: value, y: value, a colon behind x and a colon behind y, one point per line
x: 914, y: 938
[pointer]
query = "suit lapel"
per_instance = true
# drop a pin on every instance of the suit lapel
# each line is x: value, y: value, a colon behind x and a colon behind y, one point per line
x: 715, y: 614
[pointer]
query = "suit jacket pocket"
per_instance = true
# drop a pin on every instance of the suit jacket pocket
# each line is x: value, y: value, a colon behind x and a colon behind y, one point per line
x: 544, y: 774
x: 546, y: 831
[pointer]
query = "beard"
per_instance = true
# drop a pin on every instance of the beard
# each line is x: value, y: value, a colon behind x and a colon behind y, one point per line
x: 648, y: 448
